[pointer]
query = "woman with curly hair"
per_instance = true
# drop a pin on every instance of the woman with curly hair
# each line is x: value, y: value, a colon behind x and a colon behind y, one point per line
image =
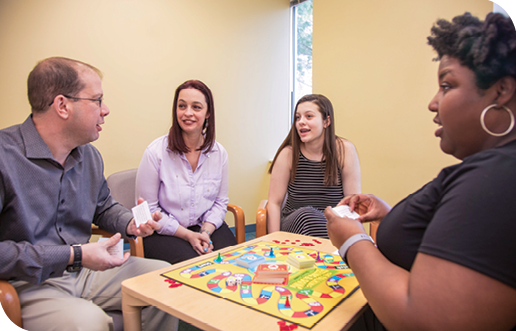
x: 313, y: 168
x: 446, y: 257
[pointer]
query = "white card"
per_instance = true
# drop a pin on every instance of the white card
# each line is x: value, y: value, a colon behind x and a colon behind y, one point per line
x: 141, y: 213
x: 344, y: 211
x: 117, y: 250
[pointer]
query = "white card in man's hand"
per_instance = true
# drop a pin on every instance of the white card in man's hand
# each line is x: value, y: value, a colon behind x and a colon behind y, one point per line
x: 344, y: 211
x: 141, y: 213
x: 117, y: 250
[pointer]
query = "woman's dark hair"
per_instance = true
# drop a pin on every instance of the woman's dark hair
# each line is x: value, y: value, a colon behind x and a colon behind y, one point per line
x: 487, y: 47
x: 176, y: 142
x: 333, y: 147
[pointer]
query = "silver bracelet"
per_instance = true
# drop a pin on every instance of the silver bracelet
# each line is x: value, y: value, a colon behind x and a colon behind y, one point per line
x: 350, y: 242
x: 204, y: 230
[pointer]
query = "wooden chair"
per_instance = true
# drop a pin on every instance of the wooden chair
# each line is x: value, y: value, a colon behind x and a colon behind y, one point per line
x: 10, y: 302
x: 261, y: 221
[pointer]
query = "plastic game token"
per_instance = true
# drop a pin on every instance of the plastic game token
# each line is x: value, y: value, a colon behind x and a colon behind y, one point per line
x: 285, y: 327
x: 173, y: 283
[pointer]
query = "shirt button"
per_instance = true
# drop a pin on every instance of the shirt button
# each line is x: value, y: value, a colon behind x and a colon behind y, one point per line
x: 60, y: 229
x: 62, y: 200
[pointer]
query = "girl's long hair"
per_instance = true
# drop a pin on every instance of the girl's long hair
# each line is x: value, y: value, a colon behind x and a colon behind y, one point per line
x: 333, y: 147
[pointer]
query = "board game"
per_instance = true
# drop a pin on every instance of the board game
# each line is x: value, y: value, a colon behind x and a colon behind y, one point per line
x: 305, y: 298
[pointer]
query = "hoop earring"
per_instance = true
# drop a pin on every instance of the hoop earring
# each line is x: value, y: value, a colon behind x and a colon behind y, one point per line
x: 482, y: 121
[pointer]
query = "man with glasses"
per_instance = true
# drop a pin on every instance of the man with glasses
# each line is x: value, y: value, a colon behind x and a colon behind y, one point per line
x: 52, y: 188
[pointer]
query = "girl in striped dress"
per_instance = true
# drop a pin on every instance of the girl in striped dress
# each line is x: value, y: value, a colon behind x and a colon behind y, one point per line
x: 312, y: 169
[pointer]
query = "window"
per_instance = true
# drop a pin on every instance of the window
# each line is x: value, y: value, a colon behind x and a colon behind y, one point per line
x: 302, y: 28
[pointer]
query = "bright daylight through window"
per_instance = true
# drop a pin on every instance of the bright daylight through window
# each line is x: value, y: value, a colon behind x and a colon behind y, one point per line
x: 302, y: 28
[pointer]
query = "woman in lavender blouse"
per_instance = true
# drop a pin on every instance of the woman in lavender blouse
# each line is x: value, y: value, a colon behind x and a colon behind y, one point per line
x: 184, y: 175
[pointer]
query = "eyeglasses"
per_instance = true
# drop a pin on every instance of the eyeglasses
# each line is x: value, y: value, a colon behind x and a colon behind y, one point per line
x: 99, y: 100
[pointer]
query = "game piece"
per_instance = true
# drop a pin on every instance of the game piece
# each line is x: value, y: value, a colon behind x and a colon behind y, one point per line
x: 287, y: 303
x: 301, y: 260
x: 249, y: 260
x: 344, y: 211
x: 218, y: 259
x: 173, y: 283
x: 271, y: 253
x: 318, y: 257
x: 141, y: 213
x: 271, y: 274
x: 285, y: 327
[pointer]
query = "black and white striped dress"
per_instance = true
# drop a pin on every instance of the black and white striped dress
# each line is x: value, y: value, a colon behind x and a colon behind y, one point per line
x: 307, y: 197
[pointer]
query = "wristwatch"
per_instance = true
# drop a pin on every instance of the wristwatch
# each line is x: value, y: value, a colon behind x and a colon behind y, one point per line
x: 77, y: 259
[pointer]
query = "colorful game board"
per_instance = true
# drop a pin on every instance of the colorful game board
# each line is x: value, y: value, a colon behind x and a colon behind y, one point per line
x: 307, y: 298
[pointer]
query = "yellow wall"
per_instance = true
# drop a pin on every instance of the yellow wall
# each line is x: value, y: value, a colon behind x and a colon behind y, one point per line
x: 372, y: 61
x: 146, y: 48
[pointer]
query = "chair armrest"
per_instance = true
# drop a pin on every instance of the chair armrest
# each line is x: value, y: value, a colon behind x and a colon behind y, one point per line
x: 238, y: 214
x: 261, y: 219
x: 10, y: 302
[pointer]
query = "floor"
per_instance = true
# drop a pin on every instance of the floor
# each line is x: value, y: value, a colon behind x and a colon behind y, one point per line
x: 184, y: 326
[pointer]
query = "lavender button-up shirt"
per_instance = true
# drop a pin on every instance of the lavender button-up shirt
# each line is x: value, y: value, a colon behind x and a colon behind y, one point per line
x: 166, y: 181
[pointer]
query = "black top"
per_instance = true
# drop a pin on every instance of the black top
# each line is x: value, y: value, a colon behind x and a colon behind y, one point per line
x: 467, y: 215
x: 308, y: 187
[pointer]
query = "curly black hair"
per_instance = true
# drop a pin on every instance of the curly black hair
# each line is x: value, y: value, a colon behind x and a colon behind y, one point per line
x: 486, y: 47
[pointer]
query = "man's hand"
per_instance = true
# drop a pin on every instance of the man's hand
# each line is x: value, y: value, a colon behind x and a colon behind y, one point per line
x: 145, y: 229
x: 95, y: 256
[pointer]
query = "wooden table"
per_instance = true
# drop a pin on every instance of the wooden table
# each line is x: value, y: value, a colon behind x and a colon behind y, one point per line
x: 208, y: 312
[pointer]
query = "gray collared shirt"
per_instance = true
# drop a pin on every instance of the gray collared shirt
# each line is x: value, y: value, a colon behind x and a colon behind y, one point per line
x: 45, y: 208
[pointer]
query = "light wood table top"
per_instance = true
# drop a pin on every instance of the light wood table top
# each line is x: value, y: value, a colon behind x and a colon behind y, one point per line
x: 208, y: 312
